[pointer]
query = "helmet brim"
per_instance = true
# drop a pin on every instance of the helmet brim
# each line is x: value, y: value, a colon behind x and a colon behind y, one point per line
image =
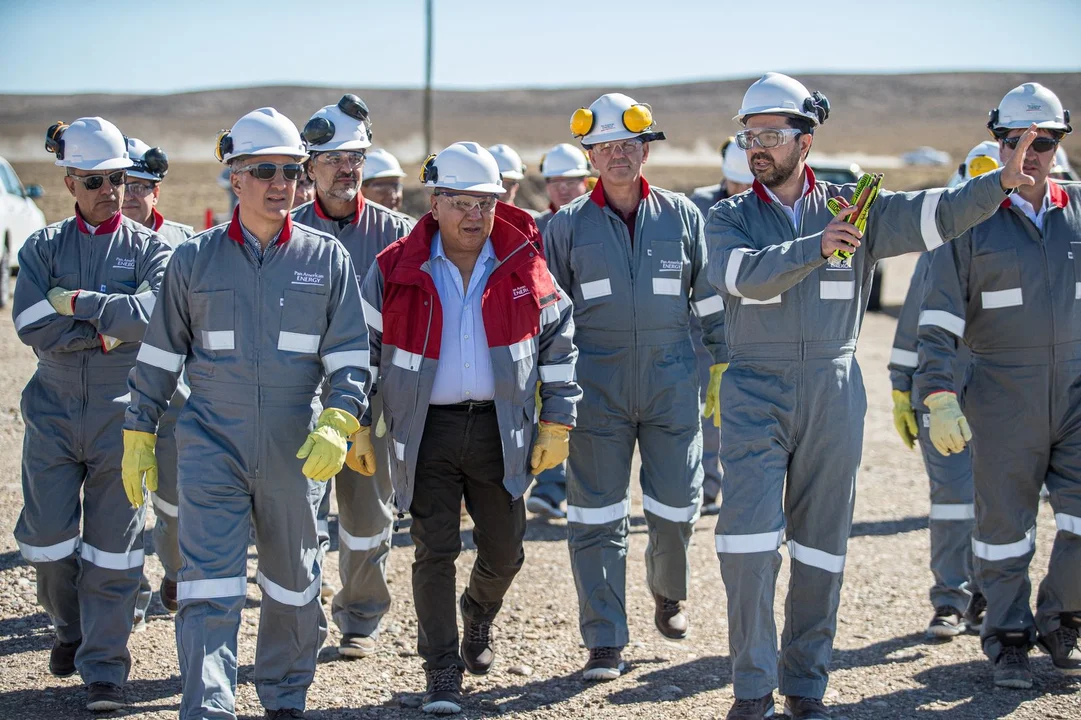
x: 741, y: 118
x: 287, y: 150
x: 109, y: 164
x: 341, y: 145
x: 143, y: 176
x: 389, y: 172
x: 478, y: 188
x: 576, y: 173
x: 513, y: 175
x: 620, y: 134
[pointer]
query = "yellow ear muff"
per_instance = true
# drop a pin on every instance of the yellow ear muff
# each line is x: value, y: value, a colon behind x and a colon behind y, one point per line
x: 637, y: 118
x: 220, y: 144
x: 581, y: 122
x: 981, y: 165
x: 426, y: 169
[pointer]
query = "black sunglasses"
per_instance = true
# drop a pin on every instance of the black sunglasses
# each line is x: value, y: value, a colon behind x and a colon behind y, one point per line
x: 267, y: 171
x: 1040, y: 144
x: 94, y: 182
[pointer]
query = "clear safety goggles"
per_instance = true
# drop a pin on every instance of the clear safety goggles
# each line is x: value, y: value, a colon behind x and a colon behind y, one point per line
x: 341, y: 158
x: 137, y: 188
x: 626, y: 147
x: 468, y: 203
x: 94, y: 182
x: 765, y: 138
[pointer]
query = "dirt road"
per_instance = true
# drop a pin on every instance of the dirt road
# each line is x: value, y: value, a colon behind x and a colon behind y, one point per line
x: 883, y: 668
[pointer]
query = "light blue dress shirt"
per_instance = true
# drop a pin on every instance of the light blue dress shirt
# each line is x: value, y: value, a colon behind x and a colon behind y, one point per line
x: 464, y: 371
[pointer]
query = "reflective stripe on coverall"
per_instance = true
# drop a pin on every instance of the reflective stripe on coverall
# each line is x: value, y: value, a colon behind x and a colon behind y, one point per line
x: 73, y: 407
x: 952, y: 515
x: 256, y: 339
x: 1013, y: 294
x: 632, y: 304
x: 793, y: 405
x: 365, y: 504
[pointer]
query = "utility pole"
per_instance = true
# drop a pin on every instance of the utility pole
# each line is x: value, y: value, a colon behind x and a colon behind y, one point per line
x: 428, y: 80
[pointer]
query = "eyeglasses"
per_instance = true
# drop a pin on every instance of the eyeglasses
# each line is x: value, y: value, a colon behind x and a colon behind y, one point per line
x: 138, y: 189
x: 766, y: 138
x: 1040, y: 144
x: 94, y: 182
x: 384, y: 185
x: 468, y: 203
x: 627, y: 147
x: 353, y: 158
x: 267, y: 171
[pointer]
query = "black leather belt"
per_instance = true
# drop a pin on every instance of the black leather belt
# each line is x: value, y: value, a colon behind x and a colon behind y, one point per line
x: 467, y: 406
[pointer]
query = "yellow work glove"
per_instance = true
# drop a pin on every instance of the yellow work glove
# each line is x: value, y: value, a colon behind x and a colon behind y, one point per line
x: 536, y: 401
x: 60, y: 299
x: 904, y: 418
x: 949, y: 428
x: 380, y: 427
x: 326, y: 446
x: 552, y: 447
x: 109, y: 343
x: 139, y: 461
x: 713, y: 393
x: 361, y: 456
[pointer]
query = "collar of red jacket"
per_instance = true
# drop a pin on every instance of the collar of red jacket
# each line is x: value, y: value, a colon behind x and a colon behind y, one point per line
x: 512, y: 227
x: 597, y: 196
x: 1059, y: 198
x: 760, y: 189
x: 158, y: 219
x: 236, y: 233
x: 552, y: 208
x: 106, y: 228
x: 322, y: 215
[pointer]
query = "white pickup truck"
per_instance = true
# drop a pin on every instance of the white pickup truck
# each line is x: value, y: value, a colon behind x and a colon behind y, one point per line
x: 19, y: 218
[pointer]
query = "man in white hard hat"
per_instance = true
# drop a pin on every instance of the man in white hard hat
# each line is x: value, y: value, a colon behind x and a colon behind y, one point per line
x: 737, y: 178
x: 633, y: 256
x: 793, y: 309
x: 958, y: 604
x: 383, y: 179
x: 259, y: 312
x: 1009, y: 289
x: 82, y: 301
x: 338, y: 137
x: 141, y: 193
x: 305, y: 191
x: 1062, y: 170
x: 465, y: 319
x: 512, y: 169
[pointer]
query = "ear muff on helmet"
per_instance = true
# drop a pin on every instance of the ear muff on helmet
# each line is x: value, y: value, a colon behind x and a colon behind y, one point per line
x: 155, y: 162
x: 223, y: 145
x: 724, y: 146
x: 54, y: 139
x: 581, y: 122
x: 318, y: 131
x: 637, y: 118
x: 981, y: 165
x: 428, y: 171
x: 819, y: 105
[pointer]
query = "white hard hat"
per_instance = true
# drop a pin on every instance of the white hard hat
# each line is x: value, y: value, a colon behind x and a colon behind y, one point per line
x: 464, y: 166
x: 734, y: 164
x: 148, y: 163
x: 89, y: 143
x: 381, y: 164
x: 982, y: 159
x: 509, y: 162
x: 564, y: 160
x: 1027, y: 104
x: 778, y: 94
x: 345, y: 126
x: 614, y: 117
x: 261, y: 132
x: 1062, y: 162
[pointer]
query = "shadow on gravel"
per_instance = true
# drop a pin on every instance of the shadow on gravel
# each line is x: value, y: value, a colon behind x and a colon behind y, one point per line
x: 676, y: 682
x: 69, y: 700
x: 10, y: 559
x: 888, y: 527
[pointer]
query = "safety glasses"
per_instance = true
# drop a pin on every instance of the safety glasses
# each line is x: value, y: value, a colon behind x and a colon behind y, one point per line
x: 267, y: 171
x: 767, y: 138
x: 627, y: 147
x: 138, y: 189
x: 1040, y: 144
x: 340, y: 158
x: 467, y: 203
x: 94, y: 182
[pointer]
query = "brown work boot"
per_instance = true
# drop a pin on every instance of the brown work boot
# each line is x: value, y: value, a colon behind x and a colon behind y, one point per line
x: 356, y: 646
x: 62, y: 658
x: 757, y: 709
x: 669, y: 617
x: 805, y: 708
x: 605, y: 663
x: 167, y: 593
x: 477, y: 653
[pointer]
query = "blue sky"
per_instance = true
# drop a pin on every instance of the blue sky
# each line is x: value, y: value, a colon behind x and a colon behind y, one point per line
x: 166, y: 46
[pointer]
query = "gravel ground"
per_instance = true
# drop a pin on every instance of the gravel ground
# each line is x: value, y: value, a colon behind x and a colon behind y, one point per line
x: 883, y: 667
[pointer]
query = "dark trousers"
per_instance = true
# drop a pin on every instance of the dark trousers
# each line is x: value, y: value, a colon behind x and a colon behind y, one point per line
x: 461, y: 455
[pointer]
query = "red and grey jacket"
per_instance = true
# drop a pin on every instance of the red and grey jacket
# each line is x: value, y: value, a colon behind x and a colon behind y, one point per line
x: 528, y: 321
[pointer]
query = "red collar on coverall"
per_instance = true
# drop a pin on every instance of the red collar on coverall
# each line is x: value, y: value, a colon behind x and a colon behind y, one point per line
x: 236, y: 233
x: 508, y: 316
x: 322, y: 215
x: 1059, y: 198
x: 158, y: 219
x: 106, y: 228
x: 760, y: 189
x: 597, y: 196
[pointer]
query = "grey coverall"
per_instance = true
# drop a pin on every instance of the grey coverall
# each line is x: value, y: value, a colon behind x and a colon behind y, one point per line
x: 256, y: 338
x: 952, y: 514
x: 73, y: 407
x: 633, y: 296
x: 792, y: 407
x: 365, y: 504
x: 1012, y: 293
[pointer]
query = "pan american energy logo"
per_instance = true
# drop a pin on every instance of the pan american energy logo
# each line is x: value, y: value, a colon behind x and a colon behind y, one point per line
x: 307, y: 278
x: 122, y: 263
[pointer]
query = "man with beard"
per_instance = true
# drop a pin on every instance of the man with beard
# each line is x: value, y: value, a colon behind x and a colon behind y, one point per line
x: 338, y: 137
x: 793, y: 311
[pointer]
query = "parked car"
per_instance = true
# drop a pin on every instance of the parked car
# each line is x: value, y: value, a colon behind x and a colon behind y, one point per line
x: 841, y: 173
x: 19, y: 217
x: 926, y: 156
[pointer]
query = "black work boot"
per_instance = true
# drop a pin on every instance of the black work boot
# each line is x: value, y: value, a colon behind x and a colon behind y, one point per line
x: 477, y: 653
x: 443, y: 695
x: 757, y: 709
x: 62, y: 658
x: 1011, y: 666
x: 1061, y: 645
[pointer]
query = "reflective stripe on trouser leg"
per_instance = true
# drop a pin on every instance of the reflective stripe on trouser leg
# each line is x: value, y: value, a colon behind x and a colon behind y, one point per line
x: 819, y: 497
x: 598, y: 508
x: 951, y: 520
x: 1007, y: 485
x: 365, y: 525
x: 671, y: 498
